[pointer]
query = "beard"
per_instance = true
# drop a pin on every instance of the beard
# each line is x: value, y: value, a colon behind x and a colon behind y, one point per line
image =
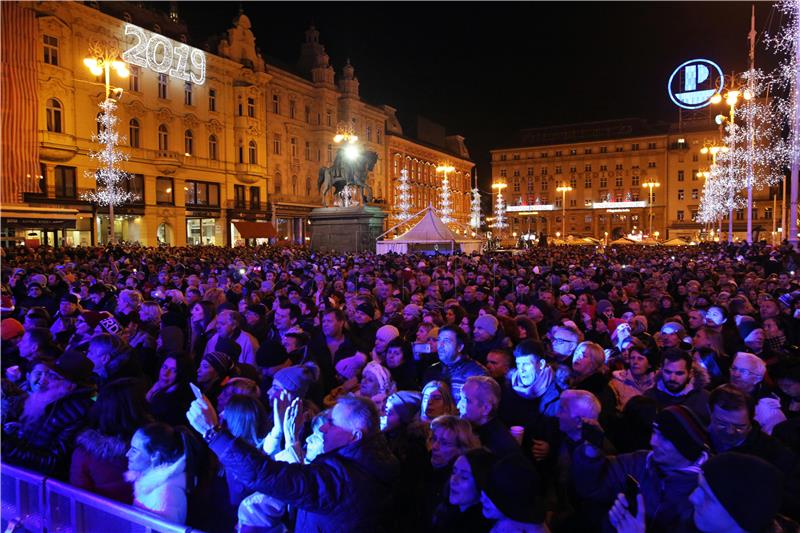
x: 37, y: 402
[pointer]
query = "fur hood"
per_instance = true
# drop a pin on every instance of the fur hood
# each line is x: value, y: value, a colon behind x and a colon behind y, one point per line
x: 154, y: 477
x: 102, y: 446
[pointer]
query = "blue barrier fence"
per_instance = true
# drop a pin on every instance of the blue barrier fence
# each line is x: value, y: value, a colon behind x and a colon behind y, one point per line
x: 42, y: 505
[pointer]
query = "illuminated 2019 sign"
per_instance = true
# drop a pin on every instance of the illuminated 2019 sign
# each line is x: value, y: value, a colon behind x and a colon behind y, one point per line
x: 693, y: 83
x: 165, y: 56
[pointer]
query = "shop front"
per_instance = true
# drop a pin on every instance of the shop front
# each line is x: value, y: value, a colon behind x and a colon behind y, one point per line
x: 291, y: 221
x: 203, y: 228
x: 44, y: 227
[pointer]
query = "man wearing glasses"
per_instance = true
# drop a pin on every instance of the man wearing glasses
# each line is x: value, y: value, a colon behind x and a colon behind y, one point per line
x: 564, y: 341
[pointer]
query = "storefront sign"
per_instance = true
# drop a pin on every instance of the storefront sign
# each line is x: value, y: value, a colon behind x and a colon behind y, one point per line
x: 694, y: 82
x: 38, y: 223
x: 165, y: 56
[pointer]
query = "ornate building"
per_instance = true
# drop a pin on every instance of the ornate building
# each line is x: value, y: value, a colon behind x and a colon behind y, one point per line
x: 606, y: 167
x: 214, y: 139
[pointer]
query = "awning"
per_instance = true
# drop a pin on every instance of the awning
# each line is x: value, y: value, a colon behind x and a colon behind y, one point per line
x: 255, y: 230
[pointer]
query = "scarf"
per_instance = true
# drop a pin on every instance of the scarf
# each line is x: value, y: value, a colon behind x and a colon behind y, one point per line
x: 541, y: 381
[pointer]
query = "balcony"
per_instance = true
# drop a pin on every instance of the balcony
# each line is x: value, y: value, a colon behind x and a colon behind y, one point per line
x: 56, y: 147
x: 167, y: 162
x: 57, y: 198
x: 249, y: 173
x: 245, y: 205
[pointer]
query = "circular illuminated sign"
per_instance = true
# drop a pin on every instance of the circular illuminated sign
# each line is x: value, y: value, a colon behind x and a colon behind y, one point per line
x: 693, y: 83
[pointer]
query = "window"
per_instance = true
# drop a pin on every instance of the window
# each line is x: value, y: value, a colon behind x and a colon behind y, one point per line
x: 276, y: 104
x: 330, y: 153
x: 618, y: 181
x: 618, y: 166
x: 587, y: 168
x: 163, y: 138
x: 308, y: 151
x: 65, y: 182
x: 239, y: 196
x: 165, y: 192
x: 516, y: 172
x: 558, y: 170
x: 516, y: 185
x: 133, y: 80
x: 587, y: 203
x: 54, y: 117
x: 587, y: 183
x: 329, y: 117
x: 651, y: 146
x: 202, y: 193
x: 573, y: 203
x: 544, y: 171
x: 241, y: 152
x: 278, y: 183
x: 573, y: 151
x: 378, y: 136
x: 604, y: 149
x: 51, y: 50
x: 635, y: 146
x: 188, y: 142
x: 308, y: 186
x: 587, y: 150
x: 292, y: 109
x: 694, y: 214
x: 133, y: 133
x: 135, y: 186
x: 695, y: 177
x: 240, y: 107
x: 293, y: 146
x: 695, y: 158
x: 635, y: 195
x: 603, y: 182
x: 558, y: 153
x: 99, y: 122
x: 251, y: 107
x: 255, y: 198
x: 635, y: 181
x: 529, y: 185
x: 276, y: 145
x: 573, y: 169
x: 502, y: 157
x: 681, y: 175
x: 619, y: 149
x: 530, y: 171
x: 651, y: 164
x: 544, y: 185
x: 768, y: 213
x: 740, y: 214
x: 252, y: 153
x: 603, y: 168
x: 212, y: 99
x: 681, y: 194
x: 369, y: 133
x: 573, y: 182
x: 308, y: 114
x: 187, y: 93
x: 503, y: 173
x: 162, y: 86
x: 212, y: 147
x: 695, y: 194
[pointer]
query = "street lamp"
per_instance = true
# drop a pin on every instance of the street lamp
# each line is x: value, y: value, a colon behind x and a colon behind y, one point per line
x: 651, y: 194
x: 563, y: 189
x: 500, y: 207
x: 444, y: 193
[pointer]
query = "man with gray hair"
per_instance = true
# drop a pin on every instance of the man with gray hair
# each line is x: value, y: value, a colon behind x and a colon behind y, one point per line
x: 229, y: 326
x: 479, y: 402
x: 747, y: 374
x: 347, y: 488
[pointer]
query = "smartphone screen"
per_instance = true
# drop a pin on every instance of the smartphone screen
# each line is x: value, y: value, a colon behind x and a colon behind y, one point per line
x: 631, y: 491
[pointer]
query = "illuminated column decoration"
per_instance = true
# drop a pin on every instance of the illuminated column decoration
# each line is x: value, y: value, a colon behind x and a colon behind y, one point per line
x: 499, y: 206
x: 403, y: 198
x: 445, y: 207
x: 475, y: 209
x: 109, y: 176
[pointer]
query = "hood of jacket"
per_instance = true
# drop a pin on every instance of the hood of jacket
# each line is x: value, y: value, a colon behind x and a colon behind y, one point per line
x: 148, y: 480
x: 102, y: 446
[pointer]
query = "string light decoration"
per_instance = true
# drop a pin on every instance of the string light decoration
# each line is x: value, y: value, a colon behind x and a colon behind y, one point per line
x: 403, y: 198
x: 475, y: 209
x: 109, y: 175
x: 445, y: 207
x: 500, y: 210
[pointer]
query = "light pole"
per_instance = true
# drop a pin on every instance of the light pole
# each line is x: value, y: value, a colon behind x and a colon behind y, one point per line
x: 651, y: 194
x: 100, y: 61
x: 500, y: 207
x: 563, y: 189
x: 444, y: 194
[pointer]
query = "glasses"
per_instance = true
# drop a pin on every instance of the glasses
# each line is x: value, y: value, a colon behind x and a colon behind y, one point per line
x: 727, y: 427
x: 559, y: 340
x: 744, y: 372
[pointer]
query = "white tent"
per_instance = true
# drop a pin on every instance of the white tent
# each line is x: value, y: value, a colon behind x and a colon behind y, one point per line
x: 429, y: 234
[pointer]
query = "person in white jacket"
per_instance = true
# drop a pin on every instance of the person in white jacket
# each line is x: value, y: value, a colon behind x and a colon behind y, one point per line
x: 157, y: 469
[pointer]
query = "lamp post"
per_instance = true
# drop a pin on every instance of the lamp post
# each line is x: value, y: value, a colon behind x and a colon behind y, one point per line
x: 564, y: 189
x: 444, y: 194
x: 500, y: 208
x: 651, y: 194
x: 100, y: 62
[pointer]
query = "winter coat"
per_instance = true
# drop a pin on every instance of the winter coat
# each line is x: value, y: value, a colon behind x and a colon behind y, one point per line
x: 99, y: 464
x: 496, y: 437
x: 480, y: 350
x: 666, y: 493
x: 46, y: 444
x: 455, y: 375
x: 694, y: 396
x: 170, y: 406
x: 626, y: 387
x: 598, y: 384
x: 162, y: 490
x: 246, y: 342
x: 349, y: 489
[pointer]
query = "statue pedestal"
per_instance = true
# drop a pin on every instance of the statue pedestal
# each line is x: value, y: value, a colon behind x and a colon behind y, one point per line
x: 346, y: 229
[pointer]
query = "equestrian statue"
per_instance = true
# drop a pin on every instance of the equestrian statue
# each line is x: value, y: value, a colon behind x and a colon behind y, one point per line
x: 346, y: 171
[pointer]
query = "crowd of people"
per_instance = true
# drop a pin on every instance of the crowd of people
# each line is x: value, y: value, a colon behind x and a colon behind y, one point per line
x: 563, y: 389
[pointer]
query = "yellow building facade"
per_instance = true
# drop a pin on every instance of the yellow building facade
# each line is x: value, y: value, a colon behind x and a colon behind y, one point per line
x: 246, y: 144
x: 606, y: 168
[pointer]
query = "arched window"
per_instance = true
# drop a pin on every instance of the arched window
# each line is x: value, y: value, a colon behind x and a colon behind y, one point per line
x: 278, y: 183
x: 163, y: 138
x: 308, y: 185
x: 188, y: 142
x: 54, y: 117
x: 212, y: 147
x: 133, y: 133
x: 99, y: 121
x: 241, y: 151
x: 252, y: 153
x: 294, y: 185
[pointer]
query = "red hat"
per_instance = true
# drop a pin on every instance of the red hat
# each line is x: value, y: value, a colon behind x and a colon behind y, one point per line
x: 10, y: 328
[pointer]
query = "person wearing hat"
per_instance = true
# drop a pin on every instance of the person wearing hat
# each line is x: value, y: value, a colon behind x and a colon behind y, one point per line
x: 255, y: 321
x: 85, y: 324
x: 212, y: 374
x: 51, y: 418
x: 487, y: 335
x: 667, y: 475
x: 363, y: 324
x: 38, y: 296
x: 64, y: 324
x: 100, y: 299
x: 511, y: 496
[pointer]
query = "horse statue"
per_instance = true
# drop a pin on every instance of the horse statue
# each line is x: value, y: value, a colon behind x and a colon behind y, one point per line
x: 344, y: 172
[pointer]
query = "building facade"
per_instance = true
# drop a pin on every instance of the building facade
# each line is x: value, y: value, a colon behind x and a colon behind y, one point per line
x: 605, y: 168
x: 213, y: 137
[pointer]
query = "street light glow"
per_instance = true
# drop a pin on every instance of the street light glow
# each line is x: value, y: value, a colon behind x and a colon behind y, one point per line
x: 351, y: 152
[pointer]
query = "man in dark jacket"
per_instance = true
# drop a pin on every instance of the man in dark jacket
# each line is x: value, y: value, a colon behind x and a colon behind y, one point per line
x: 454, y: 367
x: 487, y: 335
x: 480, y: 401
x: 667, y: 475
x: 346, y: 488
x: 681, y: 382
x: 51, y: 418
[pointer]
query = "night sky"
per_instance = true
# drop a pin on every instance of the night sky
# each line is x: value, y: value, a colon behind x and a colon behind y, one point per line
x: 484, y: 70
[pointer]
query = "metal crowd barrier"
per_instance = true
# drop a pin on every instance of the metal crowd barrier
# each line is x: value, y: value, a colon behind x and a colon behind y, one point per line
x: 42, y: 505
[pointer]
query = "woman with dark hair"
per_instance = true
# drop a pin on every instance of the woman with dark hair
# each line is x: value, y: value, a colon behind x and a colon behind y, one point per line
x: 169, y: 397
x: 400, y: 362
x: 98, y: 462
x: 453, y: 315
x: 201, y: 317
x: 161, y: 465
x: 526, y: 328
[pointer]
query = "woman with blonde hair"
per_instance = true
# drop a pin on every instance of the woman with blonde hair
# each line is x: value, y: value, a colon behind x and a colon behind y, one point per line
x: 437, y: 400
x: 589, y: 373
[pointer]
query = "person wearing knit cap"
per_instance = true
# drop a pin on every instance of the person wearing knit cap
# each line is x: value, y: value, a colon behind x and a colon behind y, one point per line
x: 294, y: 379
x: 735, y: 493
x: 376, y: 383
x: 383, y: 337
x: 666, y: 475
x: 11, y: 330
x: 402, y: 408
x: 488, y: 335
x: 604, y: 308
x: 510, y: 495
x: 212, y: 374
